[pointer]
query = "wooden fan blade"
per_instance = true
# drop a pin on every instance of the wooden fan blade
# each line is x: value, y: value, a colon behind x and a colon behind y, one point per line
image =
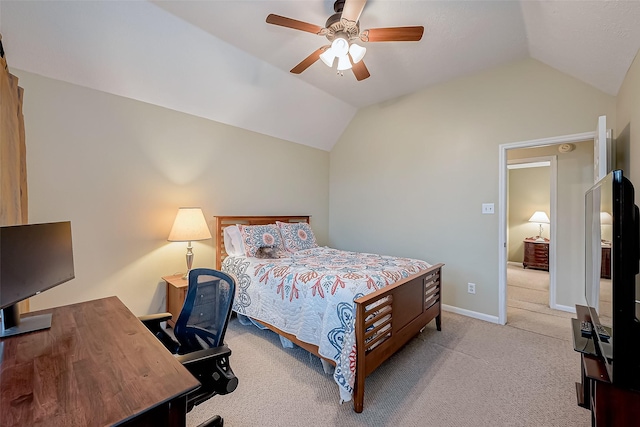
x: 352, y: 9
x: 308, y: 61
x: 293, y: 23
x: 360, y: 70
x: 393, y: 34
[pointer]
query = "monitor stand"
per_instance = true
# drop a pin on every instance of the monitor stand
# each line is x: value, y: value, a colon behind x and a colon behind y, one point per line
x: 12, y: 324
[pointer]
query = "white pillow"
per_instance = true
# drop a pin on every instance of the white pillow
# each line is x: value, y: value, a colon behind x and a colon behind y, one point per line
x: 233, y: 241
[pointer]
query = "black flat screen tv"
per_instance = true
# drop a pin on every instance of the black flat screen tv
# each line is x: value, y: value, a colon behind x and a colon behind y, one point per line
x: 612, y: 243
x: 33, y: 258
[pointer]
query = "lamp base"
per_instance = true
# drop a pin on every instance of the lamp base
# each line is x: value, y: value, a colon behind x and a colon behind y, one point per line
x: 189, y: 260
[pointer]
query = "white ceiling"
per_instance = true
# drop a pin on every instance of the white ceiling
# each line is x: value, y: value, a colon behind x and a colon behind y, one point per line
x: 221, y: 60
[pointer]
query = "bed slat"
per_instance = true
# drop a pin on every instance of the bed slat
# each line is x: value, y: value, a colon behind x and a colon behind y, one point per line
x: 376, y: 317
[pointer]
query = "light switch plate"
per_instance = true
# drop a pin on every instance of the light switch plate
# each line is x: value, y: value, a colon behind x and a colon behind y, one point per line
x: 487, y: 208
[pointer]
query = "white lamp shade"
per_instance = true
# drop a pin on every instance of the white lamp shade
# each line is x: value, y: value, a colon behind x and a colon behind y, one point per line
x: 343, y: 63
x: 357, y: 52
x: 606, y: 218
x: 189, y: 225
x: 328, y: 57
x: 540, y: 217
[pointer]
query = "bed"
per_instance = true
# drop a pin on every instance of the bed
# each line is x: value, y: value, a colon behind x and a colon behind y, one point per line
x: 377, y: 318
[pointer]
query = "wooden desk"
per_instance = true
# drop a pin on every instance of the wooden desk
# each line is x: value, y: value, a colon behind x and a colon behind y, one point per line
x: 97, y: 365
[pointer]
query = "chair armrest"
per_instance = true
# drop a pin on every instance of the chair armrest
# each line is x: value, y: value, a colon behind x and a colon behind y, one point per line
x: 155, y: 318
x: 211, y: 367
x: 152, y: 322
x: 203, y: 356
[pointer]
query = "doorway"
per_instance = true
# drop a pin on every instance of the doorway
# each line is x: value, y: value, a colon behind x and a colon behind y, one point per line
x: 531, y: 202
x: 502, y: 212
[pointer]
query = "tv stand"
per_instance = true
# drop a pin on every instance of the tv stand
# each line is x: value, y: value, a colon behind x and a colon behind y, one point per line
x: 610, y: 405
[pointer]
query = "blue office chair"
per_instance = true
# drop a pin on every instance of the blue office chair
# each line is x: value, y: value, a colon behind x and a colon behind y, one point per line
x: 198, y: 337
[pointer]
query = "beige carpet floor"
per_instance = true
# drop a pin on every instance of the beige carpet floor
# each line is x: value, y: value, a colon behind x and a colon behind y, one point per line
x: 528, y: 304
x: 472, y: 373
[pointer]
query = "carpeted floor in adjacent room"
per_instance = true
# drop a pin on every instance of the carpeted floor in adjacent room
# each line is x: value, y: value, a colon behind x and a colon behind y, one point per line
x: 528, y: 303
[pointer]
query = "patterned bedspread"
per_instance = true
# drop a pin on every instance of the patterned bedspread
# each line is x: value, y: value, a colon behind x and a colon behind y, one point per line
x: 310, y: 295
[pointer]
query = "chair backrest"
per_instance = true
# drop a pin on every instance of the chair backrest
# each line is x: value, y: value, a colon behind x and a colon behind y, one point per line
x: 203, y: 319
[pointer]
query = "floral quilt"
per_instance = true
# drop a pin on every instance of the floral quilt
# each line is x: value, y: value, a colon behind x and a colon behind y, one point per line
x: 310, y: 294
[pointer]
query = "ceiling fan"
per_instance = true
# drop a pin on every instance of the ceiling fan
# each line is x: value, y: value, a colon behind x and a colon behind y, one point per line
x: 342, y: 29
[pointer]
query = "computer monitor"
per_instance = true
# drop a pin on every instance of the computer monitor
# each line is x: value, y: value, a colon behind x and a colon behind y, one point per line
x: 33, y: 258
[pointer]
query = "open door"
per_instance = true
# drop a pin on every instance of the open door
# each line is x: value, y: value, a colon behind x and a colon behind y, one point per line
x: 603, y: 160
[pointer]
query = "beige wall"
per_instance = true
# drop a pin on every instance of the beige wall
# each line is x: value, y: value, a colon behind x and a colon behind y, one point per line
x: 119, y: 169
x: 628, y: 130
x: 409, y: 176
x: 628, y: 125
x: 528, y: 192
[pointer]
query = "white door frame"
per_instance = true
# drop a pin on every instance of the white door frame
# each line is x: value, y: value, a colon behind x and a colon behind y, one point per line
x: 502, y: 216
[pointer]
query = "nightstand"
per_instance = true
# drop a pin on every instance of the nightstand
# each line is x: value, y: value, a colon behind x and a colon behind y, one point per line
x: 536, y: 254
x: 176, y: 294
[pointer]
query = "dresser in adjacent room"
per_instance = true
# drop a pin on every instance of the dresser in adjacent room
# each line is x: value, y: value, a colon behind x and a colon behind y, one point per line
x: 536, y: 254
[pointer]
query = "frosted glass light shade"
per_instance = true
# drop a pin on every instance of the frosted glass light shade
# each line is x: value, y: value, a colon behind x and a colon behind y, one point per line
x: 340, y: 46
x: 357, y: 52
x: 328, y: 57
x: 344, y: 63
x: 189, y: 225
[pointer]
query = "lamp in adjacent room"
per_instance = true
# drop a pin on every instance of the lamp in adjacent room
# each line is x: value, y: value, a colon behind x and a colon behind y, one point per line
x: 540, y: 217
x: 189, y: 226
x: 606, y: 218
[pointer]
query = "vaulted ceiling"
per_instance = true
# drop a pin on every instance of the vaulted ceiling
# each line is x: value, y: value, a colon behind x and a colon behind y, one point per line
x: 222, y: 61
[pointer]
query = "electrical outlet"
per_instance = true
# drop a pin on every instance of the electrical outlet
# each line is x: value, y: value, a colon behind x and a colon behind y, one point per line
x: 471, y: 288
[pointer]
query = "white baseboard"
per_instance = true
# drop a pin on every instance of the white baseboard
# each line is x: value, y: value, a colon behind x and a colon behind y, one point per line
x: 494, y: 319
x: 564, y: 308
x: 469, y: 313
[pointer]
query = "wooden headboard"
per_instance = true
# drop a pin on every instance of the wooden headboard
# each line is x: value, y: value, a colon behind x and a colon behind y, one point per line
x: 225, y: 221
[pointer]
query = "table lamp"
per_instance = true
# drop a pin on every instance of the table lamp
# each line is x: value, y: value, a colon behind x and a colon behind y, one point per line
x: 541, y: 218
x: 188, y: 226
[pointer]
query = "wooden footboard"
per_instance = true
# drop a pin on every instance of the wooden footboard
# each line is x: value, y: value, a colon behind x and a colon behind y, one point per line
x: 385, y: 321
x: 391, y: 316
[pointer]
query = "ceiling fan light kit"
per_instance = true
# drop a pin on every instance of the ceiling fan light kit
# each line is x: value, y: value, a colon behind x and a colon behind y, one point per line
x: 357, y: 52
x: 342, y: 29
x: 340, y: 49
